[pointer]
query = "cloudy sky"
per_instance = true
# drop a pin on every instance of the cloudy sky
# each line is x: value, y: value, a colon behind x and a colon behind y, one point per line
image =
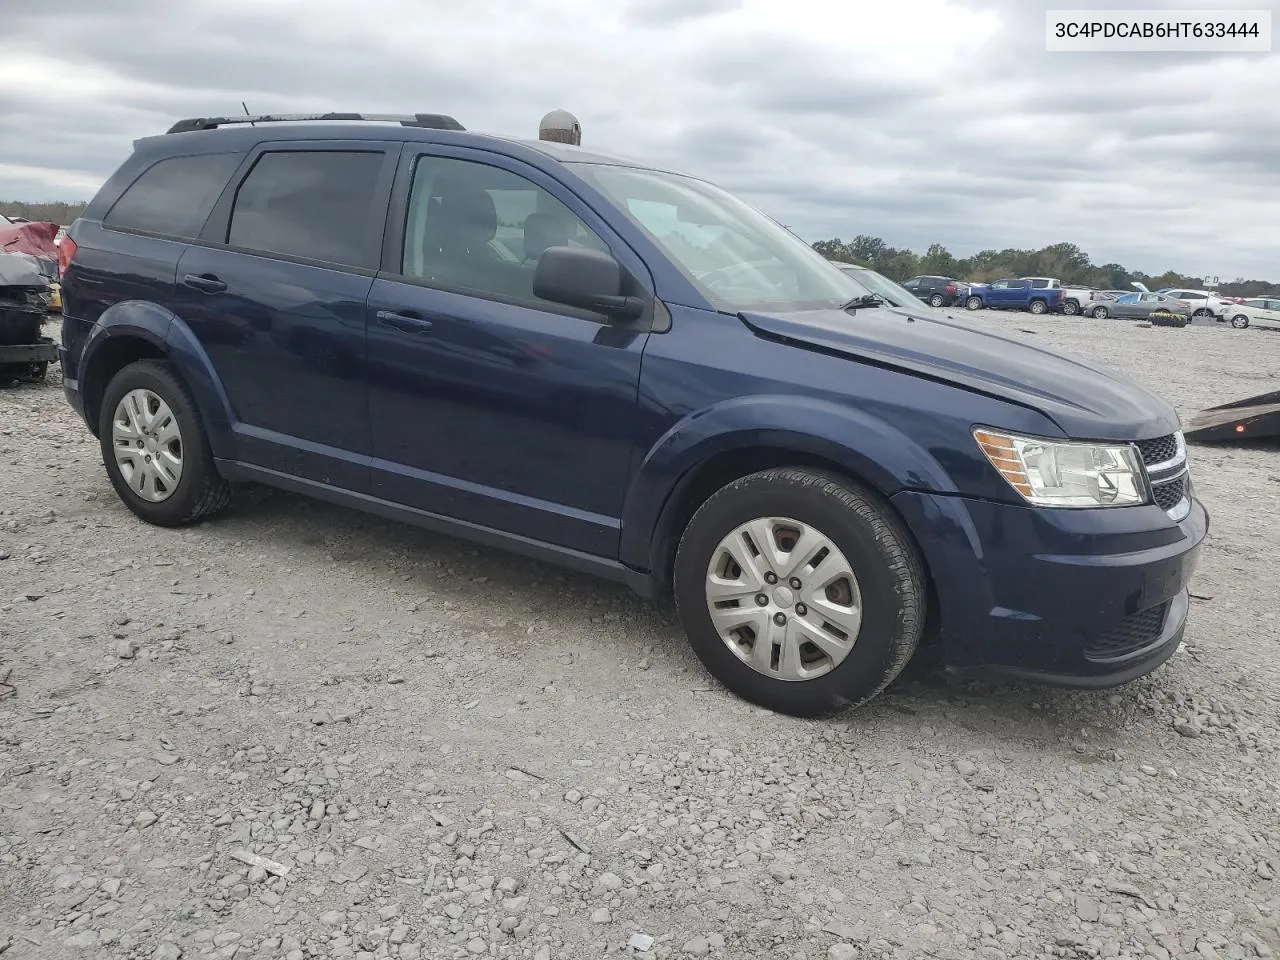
x: 917, y: 121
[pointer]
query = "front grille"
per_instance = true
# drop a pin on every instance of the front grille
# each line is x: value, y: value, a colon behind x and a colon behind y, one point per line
x: 1169, y: 495
x: 1129, y: 635
x: 1159, y: 450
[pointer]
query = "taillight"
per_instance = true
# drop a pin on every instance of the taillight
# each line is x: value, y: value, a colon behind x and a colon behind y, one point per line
x: 66, y: 250
x: 951, y: 288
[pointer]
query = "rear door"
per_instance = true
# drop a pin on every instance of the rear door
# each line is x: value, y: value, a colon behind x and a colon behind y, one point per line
x: 1148, y: 303
x: 1269, y: 315
x: 275, y: 293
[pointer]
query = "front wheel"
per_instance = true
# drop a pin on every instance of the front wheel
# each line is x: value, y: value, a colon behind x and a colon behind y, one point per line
x: 936, y: 300
x: 155, y: 448
x: 1100, y: 313
x: 973, y: 303
x: 801, y: 592
x: 1240, y: 321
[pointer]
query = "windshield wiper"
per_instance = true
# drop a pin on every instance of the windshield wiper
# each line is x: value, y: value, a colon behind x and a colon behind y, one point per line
x: 869, y: 300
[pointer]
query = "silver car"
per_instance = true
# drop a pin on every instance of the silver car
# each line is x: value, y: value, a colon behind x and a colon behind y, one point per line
x: 1139, y: 306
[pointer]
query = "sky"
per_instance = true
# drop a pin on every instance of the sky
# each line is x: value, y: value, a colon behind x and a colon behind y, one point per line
x: 918, y: 121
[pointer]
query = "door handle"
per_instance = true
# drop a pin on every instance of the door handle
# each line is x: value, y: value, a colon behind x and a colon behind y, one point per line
x: 205, y: 283
x: 403, y: 321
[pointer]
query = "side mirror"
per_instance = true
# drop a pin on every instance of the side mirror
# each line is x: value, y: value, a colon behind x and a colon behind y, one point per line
x: 589, y: 279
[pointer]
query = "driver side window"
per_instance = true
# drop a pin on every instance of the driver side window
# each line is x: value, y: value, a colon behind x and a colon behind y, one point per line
x: 481, y: 229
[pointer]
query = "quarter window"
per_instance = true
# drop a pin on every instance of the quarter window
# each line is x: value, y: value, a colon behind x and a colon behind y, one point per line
x: 173, y: 198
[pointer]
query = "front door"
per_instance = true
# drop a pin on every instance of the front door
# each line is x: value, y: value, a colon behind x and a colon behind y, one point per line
x: 275, y: 294
x: 999, y: 296
x: 488, y: 404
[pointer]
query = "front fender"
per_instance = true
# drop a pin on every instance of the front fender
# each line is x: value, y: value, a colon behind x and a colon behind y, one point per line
x: 171, y: 336
x: 862, y: 444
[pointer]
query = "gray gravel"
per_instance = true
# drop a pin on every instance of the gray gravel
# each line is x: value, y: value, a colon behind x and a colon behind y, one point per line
x: 299, y: 732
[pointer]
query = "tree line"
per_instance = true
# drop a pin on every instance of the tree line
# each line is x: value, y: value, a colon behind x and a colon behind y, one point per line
x: 1065, y: 261
x: 52, y: 212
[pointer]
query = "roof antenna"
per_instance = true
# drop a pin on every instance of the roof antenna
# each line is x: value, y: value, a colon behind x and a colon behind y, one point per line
x: 247, y: 113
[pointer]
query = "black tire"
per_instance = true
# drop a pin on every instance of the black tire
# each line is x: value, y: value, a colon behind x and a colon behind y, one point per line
x: 1240, y: 321
x: 1101, y: 313
x: 890, y: 576
x: 973, y: 303
x: 1071, y: 308
x: 937, y: 300
x: 1202, y: 312
x: 1038, y: 307
x: 35, y: 372
x: 200, y: 492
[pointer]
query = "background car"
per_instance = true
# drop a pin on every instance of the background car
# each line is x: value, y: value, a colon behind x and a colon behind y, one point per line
x: 936, y: 291
x: 1203, y: 302
x: 1261, y: 312
x: 1139, y: 306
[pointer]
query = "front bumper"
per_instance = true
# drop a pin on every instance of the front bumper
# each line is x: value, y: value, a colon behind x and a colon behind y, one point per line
x: 1087, y: 598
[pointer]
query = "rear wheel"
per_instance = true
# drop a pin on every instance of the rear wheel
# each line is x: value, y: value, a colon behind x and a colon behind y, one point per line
x: 936, y: 300
x: 800, y: 591
x: 1038, y: 307
x: 1101, y: 313
x: 974, y: 303
x: 1070, y: 308
x: 155, y: 448
x: 1240, y: 321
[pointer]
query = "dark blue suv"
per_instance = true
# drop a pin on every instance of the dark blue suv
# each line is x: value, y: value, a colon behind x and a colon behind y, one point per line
x: 630, y: 372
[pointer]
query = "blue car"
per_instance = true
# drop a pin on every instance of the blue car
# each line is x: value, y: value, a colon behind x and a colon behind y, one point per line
x: 630, y: 372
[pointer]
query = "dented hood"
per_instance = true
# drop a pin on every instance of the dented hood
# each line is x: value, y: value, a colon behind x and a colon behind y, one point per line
x: 1085, y: 401
x: 35, y: 239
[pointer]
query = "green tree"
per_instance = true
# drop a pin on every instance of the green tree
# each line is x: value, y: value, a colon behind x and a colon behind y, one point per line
x: 938, y: 261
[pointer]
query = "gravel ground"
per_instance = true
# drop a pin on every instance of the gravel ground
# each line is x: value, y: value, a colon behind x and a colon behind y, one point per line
x: 297, y: 731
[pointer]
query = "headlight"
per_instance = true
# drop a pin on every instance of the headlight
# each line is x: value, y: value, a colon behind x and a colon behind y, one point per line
x: 1060, y: 473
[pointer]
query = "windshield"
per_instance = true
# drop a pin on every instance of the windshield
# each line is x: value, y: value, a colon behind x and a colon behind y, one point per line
x: 736, y: 256
x: 878, y: 283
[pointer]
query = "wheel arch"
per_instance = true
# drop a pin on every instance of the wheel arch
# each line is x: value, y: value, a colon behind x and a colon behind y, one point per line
x: 695, y: 459
x: 136, y: 330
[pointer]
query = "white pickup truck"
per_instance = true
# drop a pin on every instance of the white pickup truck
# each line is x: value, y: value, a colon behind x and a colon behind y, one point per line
x: 1074, y: 299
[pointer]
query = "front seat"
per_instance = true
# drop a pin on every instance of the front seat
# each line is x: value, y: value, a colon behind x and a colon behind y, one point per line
x: 543, y: 230
x: 461, y: 220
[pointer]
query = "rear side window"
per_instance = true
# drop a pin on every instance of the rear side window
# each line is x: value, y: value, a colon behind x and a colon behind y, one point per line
x: 173, y: 198
x: 311, y: 204
x: 1040, y: 284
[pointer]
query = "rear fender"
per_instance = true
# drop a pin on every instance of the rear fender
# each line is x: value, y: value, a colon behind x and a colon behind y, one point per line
x: 856, y: 442
x: 172, y: 337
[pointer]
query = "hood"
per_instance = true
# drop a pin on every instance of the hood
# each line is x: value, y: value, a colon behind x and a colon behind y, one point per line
x: 33, y: 238
x: 1085, y: 401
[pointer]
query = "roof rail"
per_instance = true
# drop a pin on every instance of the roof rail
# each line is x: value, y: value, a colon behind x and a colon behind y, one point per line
x: 434, y: 121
